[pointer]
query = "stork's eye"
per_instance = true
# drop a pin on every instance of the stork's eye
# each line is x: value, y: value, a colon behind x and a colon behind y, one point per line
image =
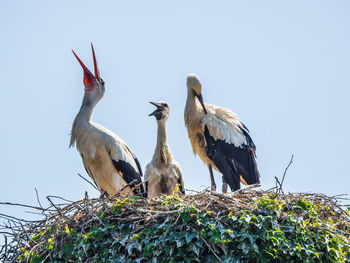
x: 102, y: 82
x: 165, y: 105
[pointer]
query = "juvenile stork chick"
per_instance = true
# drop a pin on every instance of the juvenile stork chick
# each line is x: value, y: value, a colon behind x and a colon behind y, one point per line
x: 163, y: 173
x: 106, y: 157
x: 220, y: 139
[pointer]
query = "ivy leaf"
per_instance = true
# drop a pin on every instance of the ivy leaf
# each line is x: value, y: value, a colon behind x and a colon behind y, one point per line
x: 190, y: 236
x: 245, y: 248
x: 250, y: 237
x: 68, y: 249
x: 288, y: 228
x: 133, y: 245
x: 192, y: 247
x: 123, y: 241
x: 97, y: 233
x: 37, y: 259
x: 139, y: 260
x: 180, y: 242
x: 231, y: 260
x: 256, y: 248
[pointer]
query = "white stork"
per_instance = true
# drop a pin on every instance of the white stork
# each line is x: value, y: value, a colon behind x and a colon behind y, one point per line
x: 106, y: 157
x: 163, y: 173
x: 220, y: 139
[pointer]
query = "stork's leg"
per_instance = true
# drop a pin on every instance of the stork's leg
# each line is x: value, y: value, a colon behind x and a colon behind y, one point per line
x: 224, y: 185
x: 213, y: 185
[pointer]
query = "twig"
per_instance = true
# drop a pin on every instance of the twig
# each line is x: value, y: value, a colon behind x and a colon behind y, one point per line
x: 280, y: 184
x: 245, y: 189
x: 159, y: 212
x: 82, y: 215
x: 128, y: 185
x: 59, y: 197
x: 132, y: 186
x: 59, y: 210
x: 5, y: 247
x: 210, y: 248
x: 94, y: 186
x: 285, y: 171
x: 37, y: 198
x: 22, y: 205
x: 7, y: 217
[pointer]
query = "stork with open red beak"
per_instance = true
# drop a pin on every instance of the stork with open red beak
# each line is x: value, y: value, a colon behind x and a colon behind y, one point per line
x: 106, y: 157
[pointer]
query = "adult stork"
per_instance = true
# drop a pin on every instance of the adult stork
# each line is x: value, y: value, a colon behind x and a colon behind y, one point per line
x: 220, y: 139
x: 106, y: 157
x: 163, y: 173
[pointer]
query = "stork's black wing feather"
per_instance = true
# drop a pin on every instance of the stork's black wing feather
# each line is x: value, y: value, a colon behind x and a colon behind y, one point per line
x: 130, y: 175
x: 245, y: 132
x: 138, y: 165
x: 233, y: 161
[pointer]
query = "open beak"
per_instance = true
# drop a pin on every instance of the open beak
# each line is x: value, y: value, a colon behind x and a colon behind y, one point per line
x: 89, y: 78
x: 159, y: 109
x: 200, y: 98
x: 97, y: 72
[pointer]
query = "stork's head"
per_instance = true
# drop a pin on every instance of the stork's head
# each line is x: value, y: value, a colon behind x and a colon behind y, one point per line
x: 162, y: 111
x: 94, y: 85
x: 195, y: 87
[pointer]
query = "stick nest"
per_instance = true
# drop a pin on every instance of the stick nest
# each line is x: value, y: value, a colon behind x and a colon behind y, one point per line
x: 82, y: 216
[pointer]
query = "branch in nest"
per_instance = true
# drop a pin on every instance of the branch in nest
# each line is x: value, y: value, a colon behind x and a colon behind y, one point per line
x: 86, y: 180
x: 280, y: 184
x: 132, y: 186
x: 285, y: 171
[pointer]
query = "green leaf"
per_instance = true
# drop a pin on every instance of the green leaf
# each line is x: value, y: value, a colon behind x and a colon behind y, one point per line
x: 190, y: 236
x: 134, y: 245
x: 192, y: 247
x: 123, y: 240
x: 180, y: 242
x: 68, y: 249
x: 245, y: 248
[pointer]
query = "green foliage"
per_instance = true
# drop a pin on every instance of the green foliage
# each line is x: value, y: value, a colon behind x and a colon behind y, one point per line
x: 272, y: 231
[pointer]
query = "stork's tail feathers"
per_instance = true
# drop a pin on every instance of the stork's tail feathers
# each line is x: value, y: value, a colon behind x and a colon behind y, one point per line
x: 233, y: 161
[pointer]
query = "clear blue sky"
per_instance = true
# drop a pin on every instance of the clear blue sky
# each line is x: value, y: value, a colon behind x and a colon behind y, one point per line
x: 282, y: 66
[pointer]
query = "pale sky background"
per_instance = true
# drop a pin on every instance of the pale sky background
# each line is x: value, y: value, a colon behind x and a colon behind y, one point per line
x: 282, y: 66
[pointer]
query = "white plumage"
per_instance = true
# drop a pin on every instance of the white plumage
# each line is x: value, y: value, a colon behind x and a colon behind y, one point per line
x: 223, y: 124
x: 220, y: 139
x: 106, y: 157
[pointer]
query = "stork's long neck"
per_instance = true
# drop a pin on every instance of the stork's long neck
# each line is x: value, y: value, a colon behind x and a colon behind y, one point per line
x: 162, y: 154
x: 89, y: 102
x: 193, y: 110
x: 83, y: 119
x: 85, y: 112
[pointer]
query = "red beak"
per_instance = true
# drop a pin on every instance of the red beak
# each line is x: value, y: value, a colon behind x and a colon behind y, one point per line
x: 97, y: 72
x: 89, y: 78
